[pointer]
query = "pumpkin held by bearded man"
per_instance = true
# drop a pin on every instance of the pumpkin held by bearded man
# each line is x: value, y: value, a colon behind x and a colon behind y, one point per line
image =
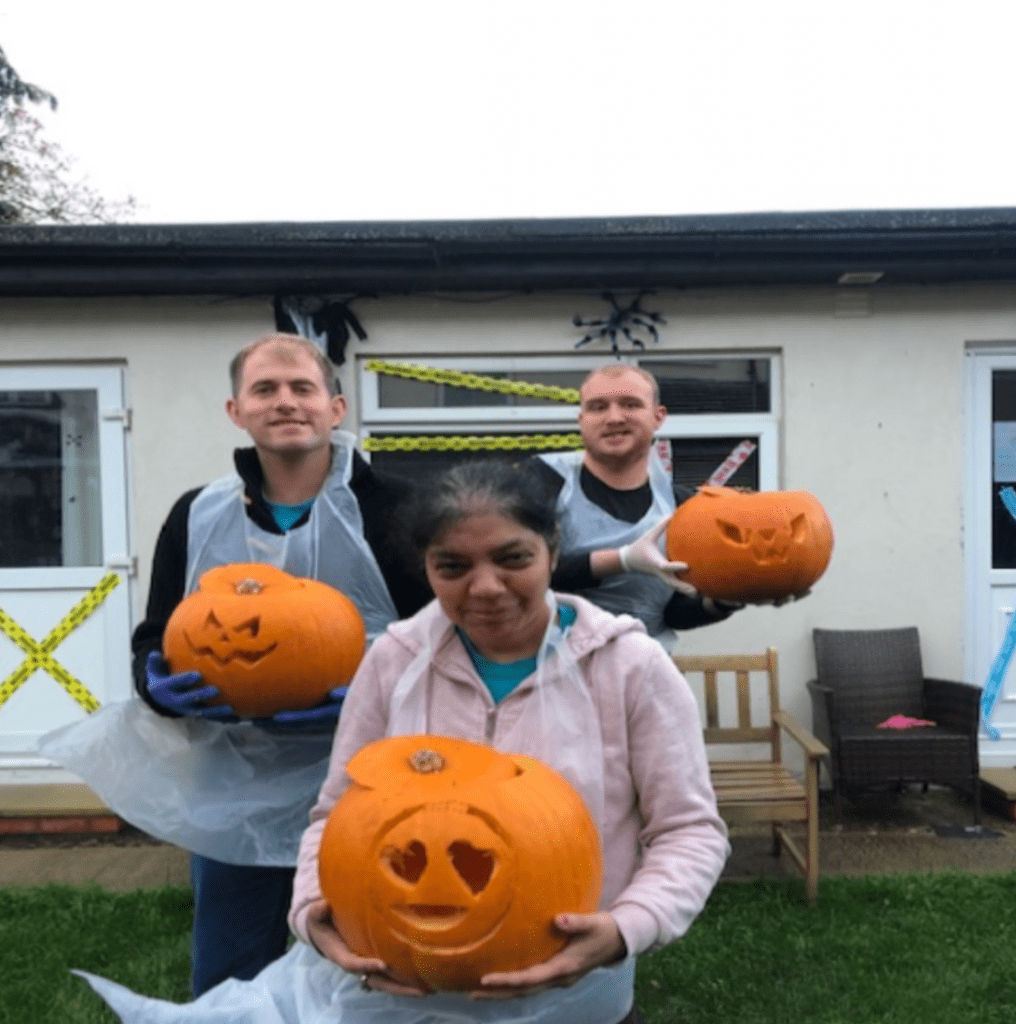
x: 448, y: 859
x: 269, y: 641
x: 750, y: 546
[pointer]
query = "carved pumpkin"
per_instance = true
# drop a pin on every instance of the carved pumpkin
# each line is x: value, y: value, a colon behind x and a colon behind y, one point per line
x: 269, y: 641
x: 750, y: 546
x: 448, y: 859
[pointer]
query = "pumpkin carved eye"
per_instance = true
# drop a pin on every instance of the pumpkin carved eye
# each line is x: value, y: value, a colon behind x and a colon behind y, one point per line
x: 799, y: 529
x: 733, y: 532
x: 473, y: 866
x: 408, y: 864
x: 252, y: 626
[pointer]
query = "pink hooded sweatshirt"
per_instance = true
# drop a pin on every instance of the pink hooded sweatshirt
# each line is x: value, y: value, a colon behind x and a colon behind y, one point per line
x: 664, y: 843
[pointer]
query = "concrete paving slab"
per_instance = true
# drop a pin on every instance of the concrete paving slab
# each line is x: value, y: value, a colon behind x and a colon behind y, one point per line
x: 115, y: 868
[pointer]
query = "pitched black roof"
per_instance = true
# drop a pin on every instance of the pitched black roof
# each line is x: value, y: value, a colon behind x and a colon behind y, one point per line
x: 906, y: 246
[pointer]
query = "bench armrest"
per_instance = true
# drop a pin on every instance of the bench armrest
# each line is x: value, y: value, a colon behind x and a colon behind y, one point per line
x: 793, y: 728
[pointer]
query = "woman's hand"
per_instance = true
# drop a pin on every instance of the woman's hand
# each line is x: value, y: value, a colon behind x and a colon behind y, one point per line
x: 328, y: 942
x: 594, y: 941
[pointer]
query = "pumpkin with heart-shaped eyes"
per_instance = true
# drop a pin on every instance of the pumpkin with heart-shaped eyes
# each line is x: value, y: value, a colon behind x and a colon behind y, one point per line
x: 449, y: 860
x: 268, y: 640
x: 750, y: 546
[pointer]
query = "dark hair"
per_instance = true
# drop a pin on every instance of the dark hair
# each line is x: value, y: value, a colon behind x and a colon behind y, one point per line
x: 514, y: 490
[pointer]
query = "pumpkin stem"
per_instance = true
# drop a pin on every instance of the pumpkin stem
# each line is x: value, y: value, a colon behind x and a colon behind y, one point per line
x: 425, y: 761
x: 248, y: 586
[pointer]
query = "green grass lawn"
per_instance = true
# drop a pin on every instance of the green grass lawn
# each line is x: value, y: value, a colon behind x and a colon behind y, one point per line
x: 938, y: 948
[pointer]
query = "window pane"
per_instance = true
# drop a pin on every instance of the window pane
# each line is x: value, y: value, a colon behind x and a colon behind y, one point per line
x: 695, y: 459
x: 712, y: 385
x: 407, y: 393
x: 1003, y: 416
x: 50, y: 498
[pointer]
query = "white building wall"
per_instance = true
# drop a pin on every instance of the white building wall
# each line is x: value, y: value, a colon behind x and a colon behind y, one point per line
x: 871, y: 419
x: 871, y: 423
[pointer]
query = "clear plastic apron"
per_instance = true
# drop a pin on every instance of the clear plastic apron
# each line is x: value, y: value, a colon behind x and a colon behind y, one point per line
x: 237, y: 793
x: 305, y: 988
x: 586, y: 527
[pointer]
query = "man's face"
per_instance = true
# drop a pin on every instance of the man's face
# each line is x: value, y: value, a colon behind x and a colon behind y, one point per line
x: 283, y: 402
x: 618, y: 418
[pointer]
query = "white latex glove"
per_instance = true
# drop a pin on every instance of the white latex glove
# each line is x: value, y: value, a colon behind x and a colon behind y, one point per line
x: 644, y: 555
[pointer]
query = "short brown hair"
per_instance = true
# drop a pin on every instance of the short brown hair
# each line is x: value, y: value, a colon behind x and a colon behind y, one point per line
x: 616, y: 369
x: 284, y: 342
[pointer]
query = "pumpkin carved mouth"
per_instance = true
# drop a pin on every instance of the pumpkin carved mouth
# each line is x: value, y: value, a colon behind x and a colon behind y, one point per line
x: 430, y: 915
x: 247, y: 657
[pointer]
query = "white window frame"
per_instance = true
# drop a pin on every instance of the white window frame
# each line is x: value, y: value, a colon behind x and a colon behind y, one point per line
x: 763, y: 428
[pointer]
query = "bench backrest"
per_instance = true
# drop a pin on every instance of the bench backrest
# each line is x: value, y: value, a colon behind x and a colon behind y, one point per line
x: 737, y: 670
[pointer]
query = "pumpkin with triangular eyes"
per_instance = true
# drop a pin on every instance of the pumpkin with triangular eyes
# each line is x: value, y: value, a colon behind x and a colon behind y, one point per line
x: 750, y: 546
x: 448, y: 860
x: 268, y: 640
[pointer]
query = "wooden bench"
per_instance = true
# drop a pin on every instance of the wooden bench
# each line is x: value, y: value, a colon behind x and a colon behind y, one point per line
x: 761, y: 789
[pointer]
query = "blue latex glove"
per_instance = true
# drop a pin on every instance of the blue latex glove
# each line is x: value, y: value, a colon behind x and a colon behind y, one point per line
x: 329, y: 708
x: 182, y: 694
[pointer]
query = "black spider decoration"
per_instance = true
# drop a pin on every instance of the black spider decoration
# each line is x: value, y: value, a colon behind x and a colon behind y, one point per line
x: 624, y: 320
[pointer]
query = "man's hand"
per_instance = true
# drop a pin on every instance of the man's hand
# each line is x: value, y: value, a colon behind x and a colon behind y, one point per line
x: 374, y: 973
x: 183, y: 694
x: 327, y: 710
x: 644, y: 555
x: 594, y: 941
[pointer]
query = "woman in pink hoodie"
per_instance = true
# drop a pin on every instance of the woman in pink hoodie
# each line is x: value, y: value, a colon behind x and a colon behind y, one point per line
x: 499, y: 658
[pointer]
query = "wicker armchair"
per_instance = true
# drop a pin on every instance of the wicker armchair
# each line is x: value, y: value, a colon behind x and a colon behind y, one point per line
x: 866, y: 676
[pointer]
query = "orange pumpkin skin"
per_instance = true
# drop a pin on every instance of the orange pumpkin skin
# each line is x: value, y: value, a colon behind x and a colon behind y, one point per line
x: 751, y: 547
x: 269, y: 641
x: 448, y: 859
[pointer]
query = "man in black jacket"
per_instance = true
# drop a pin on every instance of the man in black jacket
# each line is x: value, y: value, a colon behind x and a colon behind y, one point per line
x: 304, y: 499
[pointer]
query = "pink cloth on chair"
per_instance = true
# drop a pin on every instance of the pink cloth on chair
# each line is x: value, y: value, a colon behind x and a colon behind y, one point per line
x: 902, y: 722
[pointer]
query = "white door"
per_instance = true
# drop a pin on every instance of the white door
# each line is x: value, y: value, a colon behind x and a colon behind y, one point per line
x: 65, y: 606
x: 991, y: 539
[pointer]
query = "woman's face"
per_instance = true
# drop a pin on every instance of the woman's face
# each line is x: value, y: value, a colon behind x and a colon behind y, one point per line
x: 490, y: 575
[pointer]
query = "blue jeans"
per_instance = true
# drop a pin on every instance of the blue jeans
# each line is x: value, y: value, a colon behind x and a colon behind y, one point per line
x: 239, y: 920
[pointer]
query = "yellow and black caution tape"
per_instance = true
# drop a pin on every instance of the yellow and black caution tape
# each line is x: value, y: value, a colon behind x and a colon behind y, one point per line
x: 458, y: 379
x: 40, y: 655
x: 441, y: 443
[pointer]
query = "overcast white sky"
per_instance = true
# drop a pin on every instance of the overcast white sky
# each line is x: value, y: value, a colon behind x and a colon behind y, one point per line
x: 321, y: 110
